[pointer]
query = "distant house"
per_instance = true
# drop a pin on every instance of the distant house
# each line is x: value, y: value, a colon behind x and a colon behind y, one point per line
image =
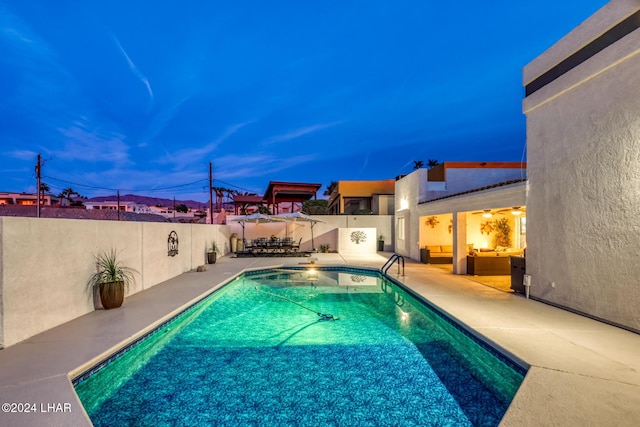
x: 357, y: 197
x: 114, y: 205
x: 28, y: 199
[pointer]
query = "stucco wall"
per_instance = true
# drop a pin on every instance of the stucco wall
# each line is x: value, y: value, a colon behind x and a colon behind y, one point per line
x: 357, y: 240
x: 583, y: 138
x: 409, y: 192
x: 46, y: 263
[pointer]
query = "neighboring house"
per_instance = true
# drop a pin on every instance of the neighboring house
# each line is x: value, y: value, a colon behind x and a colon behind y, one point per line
x: 28, y: 199
x: 445, y: 206
x: 583, y: 148
x: 114, y: 205
x: 171, y: 212
x: 352, y: 197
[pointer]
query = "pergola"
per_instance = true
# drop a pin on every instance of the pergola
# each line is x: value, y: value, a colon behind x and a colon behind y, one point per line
x: 240, y: 200
x: 289, y: 192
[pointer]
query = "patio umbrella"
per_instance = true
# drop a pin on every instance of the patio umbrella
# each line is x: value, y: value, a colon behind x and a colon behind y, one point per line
x: 299, y: 217
x: 254, y: 218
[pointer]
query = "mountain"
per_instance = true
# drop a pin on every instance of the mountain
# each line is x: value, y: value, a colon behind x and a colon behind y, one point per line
x: 150, y: 201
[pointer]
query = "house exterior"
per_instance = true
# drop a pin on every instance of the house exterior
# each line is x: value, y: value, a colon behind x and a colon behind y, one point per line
x: 28, y: 199
x: 453, y: 193
x: 123, y: 206
x: 582, y: 107
x: 351, y: 197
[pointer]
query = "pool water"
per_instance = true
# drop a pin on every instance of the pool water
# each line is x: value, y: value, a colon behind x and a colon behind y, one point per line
x: 249, y: 355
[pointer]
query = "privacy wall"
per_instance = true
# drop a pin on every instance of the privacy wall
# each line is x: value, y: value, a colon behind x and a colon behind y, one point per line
x: 45, y: 264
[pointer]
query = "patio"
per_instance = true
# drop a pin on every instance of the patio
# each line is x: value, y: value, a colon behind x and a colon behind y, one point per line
x: 582, y: 372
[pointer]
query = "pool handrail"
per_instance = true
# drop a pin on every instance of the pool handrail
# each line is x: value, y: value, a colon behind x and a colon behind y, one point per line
x: 393, y: 258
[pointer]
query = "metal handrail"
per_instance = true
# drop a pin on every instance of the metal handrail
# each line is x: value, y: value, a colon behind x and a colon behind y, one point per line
x: 393, y: 258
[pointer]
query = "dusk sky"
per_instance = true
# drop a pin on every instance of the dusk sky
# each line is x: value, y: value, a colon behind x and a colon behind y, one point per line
x: 139, y: 96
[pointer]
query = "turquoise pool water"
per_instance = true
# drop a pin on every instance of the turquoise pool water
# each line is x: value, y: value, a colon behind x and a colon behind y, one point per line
x: 249, y: 355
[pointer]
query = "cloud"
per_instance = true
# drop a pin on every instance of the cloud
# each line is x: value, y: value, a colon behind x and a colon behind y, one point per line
x: 299, y: 132
x: 23, y: 154
x: 256, y: 165
x: 133, y: 67
x: 92, y: 145
x: 183, y: 158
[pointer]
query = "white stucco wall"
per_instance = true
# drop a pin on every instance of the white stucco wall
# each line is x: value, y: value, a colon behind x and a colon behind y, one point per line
x: 410, y: 190
x: 46, y: 263
x: 357, y: 240
x: 583, y: 209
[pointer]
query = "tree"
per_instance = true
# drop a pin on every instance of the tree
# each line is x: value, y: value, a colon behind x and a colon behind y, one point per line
x: 316, y: 207
x: 263, y: 210
x: 220, y: 195
x: 432, y: 163
x: 417, y: 164
x: 182, y: 208
x: 330, y: 188
x: 68, y: 194
x: 44, y: 187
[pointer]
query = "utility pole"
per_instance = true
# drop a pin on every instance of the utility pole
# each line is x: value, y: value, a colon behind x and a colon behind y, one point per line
x: 174, y: 207
x: 38, y: 178
x: 118, y: 205
x: 211, y: 191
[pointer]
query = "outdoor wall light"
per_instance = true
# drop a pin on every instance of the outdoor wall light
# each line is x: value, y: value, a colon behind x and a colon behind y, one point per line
x: 404, y: 203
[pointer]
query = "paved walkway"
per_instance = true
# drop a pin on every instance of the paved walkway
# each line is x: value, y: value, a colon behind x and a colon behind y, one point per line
x: 582, y: 372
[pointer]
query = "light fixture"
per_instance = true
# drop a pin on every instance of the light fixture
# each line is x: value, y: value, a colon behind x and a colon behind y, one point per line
x: 516, y: 210
x: 487, y: 214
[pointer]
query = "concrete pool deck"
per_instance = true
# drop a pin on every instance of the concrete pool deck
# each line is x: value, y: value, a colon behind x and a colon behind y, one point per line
x: 582, y: 372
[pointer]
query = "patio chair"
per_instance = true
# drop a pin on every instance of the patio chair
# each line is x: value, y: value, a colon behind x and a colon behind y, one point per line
x: 295, y: 247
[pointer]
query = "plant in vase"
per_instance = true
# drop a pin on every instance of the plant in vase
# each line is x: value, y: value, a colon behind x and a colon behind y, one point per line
x: 212, y: 254
x: 111, y: 280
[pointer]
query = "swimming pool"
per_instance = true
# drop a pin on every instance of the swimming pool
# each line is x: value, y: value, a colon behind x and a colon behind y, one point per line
x: 259, y: 352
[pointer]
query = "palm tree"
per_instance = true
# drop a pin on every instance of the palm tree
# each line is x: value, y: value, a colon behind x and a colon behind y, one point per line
x: 432, y: 163
x: 417, y: 164
x: 330, y: 188
x: 44, y: 187
x: 68, y: 194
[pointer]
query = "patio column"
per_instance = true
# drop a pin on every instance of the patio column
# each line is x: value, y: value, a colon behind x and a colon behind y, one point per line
x: 459, y: 243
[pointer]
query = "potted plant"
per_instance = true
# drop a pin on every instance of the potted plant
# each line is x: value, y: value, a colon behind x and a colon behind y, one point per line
x: 212, y: 254
x: 111, y: 280
x: 381, y: 243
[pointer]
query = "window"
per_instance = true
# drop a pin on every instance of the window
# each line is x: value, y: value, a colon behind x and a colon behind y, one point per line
x: 401, y: 228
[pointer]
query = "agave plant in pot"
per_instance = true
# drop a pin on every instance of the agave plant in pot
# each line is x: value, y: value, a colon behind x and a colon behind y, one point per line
x: 212, y: 254
x: 111, y: 279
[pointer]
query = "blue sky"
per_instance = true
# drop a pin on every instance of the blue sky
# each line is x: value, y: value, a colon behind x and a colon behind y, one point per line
x: 141, y: 96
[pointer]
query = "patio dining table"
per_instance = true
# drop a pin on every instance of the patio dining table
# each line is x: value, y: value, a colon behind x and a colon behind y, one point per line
x: 271, y: 246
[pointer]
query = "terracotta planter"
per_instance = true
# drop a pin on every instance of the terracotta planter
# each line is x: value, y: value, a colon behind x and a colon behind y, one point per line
x: 211, y: 257
x: 111, y: 294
